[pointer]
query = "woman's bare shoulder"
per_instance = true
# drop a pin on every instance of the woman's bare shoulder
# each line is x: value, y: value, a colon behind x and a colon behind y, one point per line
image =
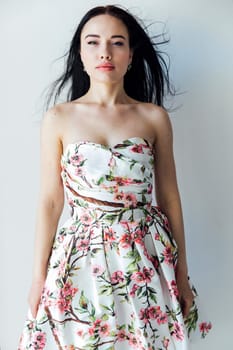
x: 60, y: 110
x: 153, y: 110
x: 60, y: 114
x: 155, y: 115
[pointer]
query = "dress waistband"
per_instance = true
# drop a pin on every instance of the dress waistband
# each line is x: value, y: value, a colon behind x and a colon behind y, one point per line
x: 100, y: 202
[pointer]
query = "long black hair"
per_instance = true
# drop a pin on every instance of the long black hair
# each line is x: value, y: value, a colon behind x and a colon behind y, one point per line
x: 148, y: 77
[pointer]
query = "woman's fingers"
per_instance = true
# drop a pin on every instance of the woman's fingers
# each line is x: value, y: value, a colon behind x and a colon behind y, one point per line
x: 186, y: 304
x: 186, y: 296
x: 34, y: 297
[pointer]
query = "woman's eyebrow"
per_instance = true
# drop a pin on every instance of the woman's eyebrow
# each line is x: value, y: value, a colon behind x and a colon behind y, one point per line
x: 112, y: 37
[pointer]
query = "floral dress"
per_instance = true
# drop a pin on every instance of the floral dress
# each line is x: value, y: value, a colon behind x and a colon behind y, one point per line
x: 111, y: 275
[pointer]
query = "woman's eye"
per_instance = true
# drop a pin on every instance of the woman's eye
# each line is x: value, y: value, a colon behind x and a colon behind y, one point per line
x: 118, y: 43
x: 92, y: 42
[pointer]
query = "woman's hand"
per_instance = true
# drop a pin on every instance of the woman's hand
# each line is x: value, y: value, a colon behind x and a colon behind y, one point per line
x: 35, y: 295
x: 186, y: 295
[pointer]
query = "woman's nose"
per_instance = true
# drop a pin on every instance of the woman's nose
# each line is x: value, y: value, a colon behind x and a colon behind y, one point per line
x: 106, y: 57
x: 105, y: 51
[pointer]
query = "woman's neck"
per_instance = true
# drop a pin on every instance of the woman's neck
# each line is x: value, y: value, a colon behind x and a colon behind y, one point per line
x: 106, y: 94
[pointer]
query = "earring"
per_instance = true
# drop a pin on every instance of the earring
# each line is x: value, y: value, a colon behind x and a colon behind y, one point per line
x: 129, y: 67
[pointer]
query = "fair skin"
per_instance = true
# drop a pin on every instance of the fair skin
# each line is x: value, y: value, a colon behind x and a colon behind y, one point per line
x: 98, y: 116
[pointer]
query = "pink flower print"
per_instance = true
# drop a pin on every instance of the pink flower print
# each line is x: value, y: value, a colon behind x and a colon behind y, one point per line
x: 155, y: 261
x: 60, y: 238
x: 126, y: 224
x: 109, y: 234
x: 79, y: 171
x: 117, y: 277
x: 104, y: 329
x: 71, y: 202
x: 130, y: 200
x: 157, y: 237
x: 168, y: 256
x: 45, y: 298
x: 146, y: 253
x: 85, y: 218
x: 177, y: 331
x: 138, y: 277
x: 173, y: 290
x: 97, y: 322
x: 121, y: 335
x: 76, y: 159
x: 149, y: 189
x: 38, y: 340
x: 91, y: 331
x: 205, y: 328
x: 80, y: 332
x: 153, y: 312
x: 118, y: 196
x: 133, y: 290
x: 165, y: 343
x: 97, y: 270
x: 83, y: 245
x: 137, y: 236
x: 148, y: 218
x: 65, y: 297
x: 162, y: 318
x: 148, y: 273
x: 133, y: 341
x: 31, y: 324
x: 166, y: 223
x: 137, y: 148
x: 143, y: 315
x: 143, y: 277
x: 123, y: 181
x: 112, y: 162
x: 68, y: 290
x: 69, y: 347
x: 126, y: 240
x: 73, y: 228
x: 92, y: 232
x: 63, y: 304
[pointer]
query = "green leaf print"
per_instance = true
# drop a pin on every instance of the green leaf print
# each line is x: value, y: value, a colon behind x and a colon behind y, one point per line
x: 111, y: 218
x: 191, y: 320
x: 95, y: 251
x: 105, y: 290
x: 59, y: 283
x: 101, y: 179
x: 133, y: 162
x: 83, y: 301
x: 132, y: 267
x: 153, y: 297
x: 105, y: 317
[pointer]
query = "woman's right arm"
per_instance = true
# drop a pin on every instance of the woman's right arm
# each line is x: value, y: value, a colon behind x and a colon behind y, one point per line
x: 50, y: 202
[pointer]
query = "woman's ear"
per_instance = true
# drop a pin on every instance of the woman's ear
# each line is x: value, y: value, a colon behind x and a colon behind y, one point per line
x: 130, y: 56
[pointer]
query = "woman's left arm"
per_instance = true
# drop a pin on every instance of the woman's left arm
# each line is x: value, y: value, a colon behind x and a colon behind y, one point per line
x: 168, y: 199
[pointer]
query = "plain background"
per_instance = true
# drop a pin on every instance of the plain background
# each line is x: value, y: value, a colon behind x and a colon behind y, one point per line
x: 33, y: 34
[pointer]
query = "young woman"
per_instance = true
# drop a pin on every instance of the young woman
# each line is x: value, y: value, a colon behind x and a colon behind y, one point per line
x: 115, y: 275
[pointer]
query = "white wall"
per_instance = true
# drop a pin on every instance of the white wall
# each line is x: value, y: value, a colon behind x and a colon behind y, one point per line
x: 32, y: 35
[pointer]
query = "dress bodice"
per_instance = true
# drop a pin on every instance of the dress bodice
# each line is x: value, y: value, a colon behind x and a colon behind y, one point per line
x: 120, y: 174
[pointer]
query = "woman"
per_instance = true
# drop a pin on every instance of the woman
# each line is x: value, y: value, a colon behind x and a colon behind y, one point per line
x: 115, y: 275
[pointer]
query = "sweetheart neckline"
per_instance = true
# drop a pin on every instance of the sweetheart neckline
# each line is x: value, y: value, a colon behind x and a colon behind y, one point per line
x: 109, y: 148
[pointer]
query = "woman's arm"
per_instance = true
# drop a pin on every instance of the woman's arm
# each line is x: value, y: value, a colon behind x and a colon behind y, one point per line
x: 168, y: 199
x: 50, y: 202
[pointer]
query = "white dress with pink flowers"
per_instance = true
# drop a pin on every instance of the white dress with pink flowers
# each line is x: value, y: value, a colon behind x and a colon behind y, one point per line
x: 111, y: 281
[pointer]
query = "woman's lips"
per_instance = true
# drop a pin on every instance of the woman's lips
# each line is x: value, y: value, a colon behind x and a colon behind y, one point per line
x: 105, y: 67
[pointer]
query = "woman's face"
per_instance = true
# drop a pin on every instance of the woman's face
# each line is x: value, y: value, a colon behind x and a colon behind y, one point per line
x: 104, y: 49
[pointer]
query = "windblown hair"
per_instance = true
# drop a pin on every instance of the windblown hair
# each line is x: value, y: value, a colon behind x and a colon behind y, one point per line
x: 145, y: 81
